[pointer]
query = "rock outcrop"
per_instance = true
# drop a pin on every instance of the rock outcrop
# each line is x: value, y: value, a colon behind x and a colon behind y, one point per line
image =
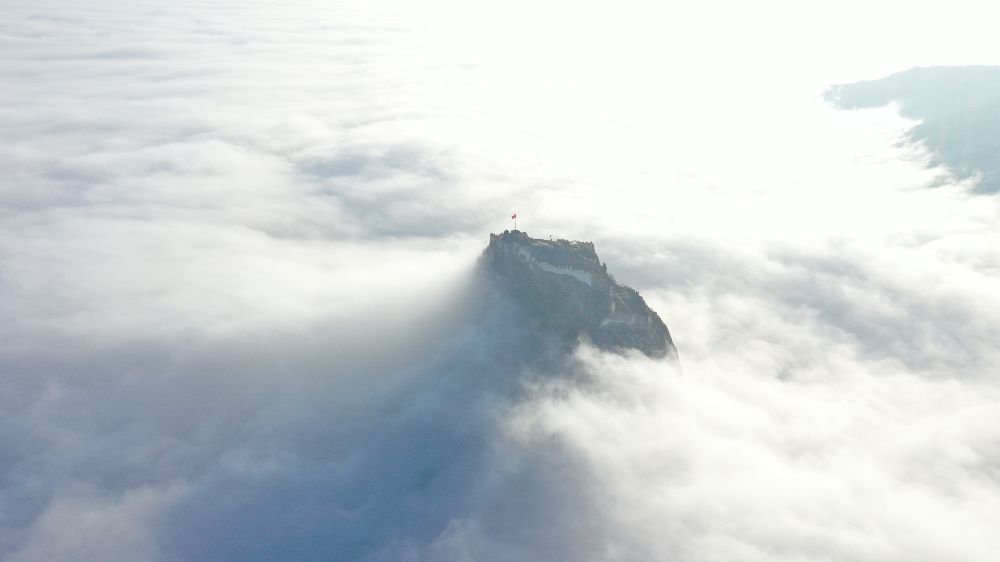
x: 562, y: 288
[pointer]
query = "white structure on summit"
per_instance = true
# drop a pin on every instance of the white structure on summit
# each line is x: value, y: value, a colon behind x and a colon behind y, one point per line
x: 581, y: 276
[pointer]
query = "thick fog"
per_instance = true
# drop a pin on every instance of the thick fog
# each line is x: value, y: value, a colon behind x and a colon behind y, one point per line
x: 241, y: 321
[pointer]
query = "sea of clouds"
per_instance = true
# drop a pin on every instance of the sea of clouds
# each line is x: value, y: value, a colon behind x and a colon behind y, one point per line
x: 238, y: 311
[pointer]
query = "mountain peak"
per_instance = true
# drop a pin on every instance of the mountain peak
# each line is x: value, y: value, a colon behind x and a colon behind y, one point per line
x: 562, y: 287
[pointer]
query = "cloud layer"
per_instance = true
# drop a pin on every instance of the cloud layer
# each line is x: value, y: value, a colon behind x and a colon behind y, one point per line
x: 235, y: 254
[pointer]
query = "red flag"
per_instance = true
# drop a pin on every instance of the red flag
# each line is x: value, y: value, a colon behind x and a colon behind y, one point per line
x: 514, y: 216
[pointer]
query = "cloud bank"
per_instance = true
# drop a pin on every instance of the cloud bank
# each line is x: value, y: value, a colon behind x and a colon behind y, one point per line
x: 236, y: 245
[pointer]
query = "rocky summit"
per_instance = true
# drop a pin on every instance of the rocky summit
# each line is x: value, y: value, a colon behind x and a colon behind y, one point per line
x: 562, y: 288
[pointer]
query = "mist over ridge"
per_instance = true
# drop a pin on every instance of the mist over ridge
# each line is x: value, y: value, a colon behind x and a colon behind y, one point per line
x: 959, y: 112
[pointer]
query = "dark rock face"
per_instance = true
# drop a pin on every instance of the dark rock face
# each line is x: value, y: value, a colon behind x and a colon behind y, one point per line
x: 563, y: 289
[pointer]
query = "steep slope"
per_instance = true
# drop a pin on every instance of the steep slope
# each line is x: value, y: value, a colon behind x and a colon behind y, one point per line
x: 562, y: 288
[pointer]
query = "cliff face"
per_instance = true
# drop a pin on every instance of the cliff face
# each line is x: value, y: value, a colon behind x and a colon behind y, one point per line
x: 562, y: 288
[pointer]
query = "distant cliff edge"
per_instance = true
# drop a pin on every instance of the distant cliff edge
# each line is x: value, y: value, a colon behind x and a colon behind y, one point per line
x: 959, y: 112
